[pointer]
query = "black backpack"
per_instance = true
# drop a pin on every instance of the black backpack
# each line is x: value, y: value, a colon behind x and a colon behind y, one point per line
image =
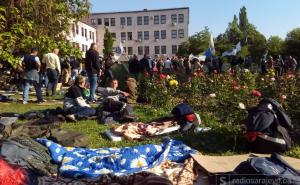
x: 269, y: 118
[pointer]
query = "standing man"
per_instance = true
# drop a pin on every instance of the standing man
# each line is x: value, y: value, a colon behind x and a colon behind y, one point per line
x: 134, y: 66
x: 53, y: 70
x: 92, y: 66
x: 31, y: 65
x: 108, y: 74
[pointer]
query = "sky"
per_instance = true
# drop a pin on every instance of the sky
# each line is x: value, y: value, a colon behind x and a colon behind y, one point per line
x: 271, y: 17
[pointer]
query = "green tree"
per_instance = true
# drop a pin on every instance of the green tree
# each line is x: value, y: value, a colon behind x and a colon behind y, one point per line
x: 199, y: 42
x: 184, y: 49
x: 275, y: 45
x: 233, y: 32
x: 243, y: 23
x: 38, y: 23
x: 292, y: 43
x: 108, y: 43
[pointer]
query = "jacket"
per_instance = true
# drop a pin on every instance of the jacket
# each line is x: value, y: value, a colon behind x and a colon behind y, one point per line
x: 92, y: 62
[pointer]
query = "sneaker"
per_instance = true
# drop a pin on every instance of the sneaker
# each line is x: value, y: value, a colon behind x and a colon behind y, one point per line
x: 41, y: 101
x: 25, y: 102
x: 71, y: 118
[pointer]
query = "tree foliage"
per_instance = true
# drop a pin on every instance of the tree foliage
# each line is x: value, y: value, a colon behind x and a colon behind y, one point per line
x: 38, y: 23
x: 108, y: 43
x: 275, y: 45
x: 196, y: 44
x: 292, y: 43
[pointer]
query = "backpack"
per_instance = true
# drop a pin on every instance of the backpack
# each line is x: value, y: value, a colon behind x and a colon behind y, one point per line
x: 273, y: 168
x: 271, y: 122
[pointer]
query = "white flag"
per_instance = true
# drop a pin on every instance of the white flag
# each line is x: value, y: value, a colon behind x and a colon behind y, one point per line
x: 238, y: 47
x: 212, y: 44
x: 119, y: 51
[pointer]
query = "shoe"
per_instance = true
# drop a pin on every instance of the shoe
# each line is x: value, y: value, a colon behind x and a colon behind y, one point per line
x: 41, y: 101
x: 71, y: 118
x: 25, y: 102
x: 47, y: 94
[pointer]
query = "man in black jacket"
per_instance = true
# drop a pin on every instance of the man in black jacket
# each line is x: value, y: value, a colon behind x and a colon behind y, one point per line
x: 134, y: 66
x: 92, y: 66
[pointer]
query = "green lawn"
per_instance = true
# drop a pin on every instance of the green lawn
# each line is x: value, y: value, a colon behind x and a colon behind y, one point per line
x: 221, y: 140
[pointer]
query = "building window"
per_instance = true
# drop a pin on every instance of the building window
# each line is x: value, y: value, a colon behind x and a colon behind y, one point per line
x: 82, y: 32
x: 140, y: 35
x: 77, y: 29
x: 163, y: 19
x: 114, y: 35
x: 181, y: 33
x: 129, y: 35
x: 174, y: 49
x: 106, y: 21
x: 163, y: 34
x: 174, y: 34
x: 85, y: 33
x: 99, y: 21
x: 90, y: 34
x: 163, y: 50
x: 146, y: 20
x: 125, y: 51
x: 181, y: 18
x: 146, y: 35
x: 82, y: 47
x: 140, y: 50
x: 174, y: 18
x: 113, y: 22
x: 156, y: 34
x: 93, y: 21
x: 122, y: 21
x: 139, y: 20
x: 129, y: 21
x: 129, y: 51
x: 123, y: 36
x: 156, y: 19
x: 147, y: 50
x: 93, y: 37
x: 86, y: 47
x: 156, y: 50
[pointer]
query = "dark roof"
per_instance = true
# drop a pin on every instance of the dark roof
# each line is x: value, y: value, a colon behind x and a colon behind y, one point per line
x: 145, y: 10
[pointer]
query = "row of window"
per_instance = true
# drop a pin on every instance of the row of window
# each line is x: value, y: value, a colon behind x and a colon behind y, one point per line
x: 84, y: 47
x: 146, y: 50
x: 141, y: 20
x: 146, y: 35
x: 84, y: 32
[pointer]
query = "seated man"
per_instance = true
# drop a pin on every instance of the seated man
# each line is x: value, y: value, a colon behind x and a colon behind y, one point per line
x: 74, y: 101
x: 115, y: 103
x: 112, y: 92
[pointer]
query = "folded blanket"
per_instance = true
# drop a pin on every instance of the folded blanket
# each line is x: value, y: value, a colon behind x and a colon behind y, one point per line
x: 81, y: 162
x: 139, y: 130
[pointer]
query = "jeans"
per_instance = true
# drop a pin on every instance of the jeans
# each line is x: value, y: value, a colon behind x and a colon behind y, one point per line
x: 52, y: 81
x: 38, y: 90
x: 82, y: 112
x: 93, y: 78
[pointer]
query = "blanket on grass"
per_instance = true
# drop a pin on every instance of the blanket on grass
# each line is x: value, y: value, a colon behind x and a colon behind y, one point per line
x: 89, y: 163
x: 140, y: 130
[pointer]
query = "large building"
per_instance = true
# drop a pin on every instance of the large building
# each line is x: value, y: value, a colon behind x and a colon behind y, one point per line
x: 153, y: 32
x: 82, y: 36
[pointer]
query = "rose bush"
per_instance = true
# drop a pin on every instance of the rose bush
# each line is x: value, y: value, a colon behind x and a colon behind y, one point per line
x: 225, y: 96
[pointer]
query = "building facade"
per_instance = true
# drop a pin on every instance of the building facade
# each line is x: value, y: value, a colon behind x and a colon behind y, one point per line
x: 154, y: 32
x: 82, y: 36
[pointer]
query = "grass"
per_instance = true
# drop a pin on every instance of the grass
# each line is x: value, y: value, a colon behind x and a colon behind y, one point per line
x: 221, y: 140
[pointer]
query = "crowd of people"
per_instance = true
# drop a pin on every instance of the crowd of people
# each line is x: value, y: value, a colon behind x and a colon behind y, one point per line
x: 98, y: 70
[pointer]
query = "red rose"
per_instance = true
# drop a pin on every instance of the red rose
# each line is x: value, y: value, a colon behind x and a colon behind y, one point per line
x: 162, y: 76
x: 256, y: 93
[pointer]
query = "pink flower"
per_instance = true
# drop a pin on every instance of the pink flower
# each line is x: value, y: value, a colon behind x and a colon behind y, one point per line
x: 272, y: 79
x: 256, y: 93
